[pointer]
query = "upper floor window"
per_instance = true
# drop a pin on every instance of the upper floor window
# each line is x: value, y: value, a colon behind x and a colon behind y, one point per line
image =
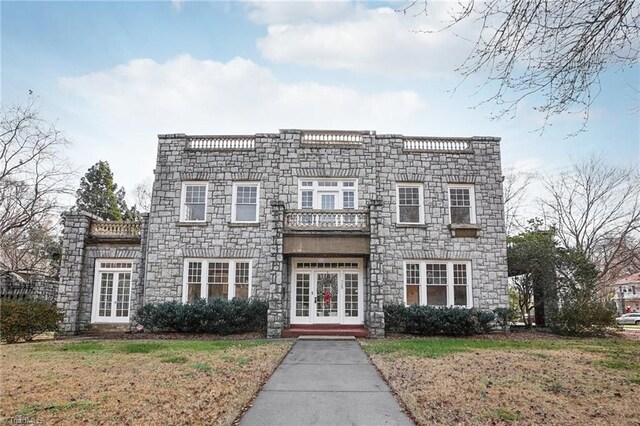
x: 438, y: 283
x: 216, y: 278
x: 194, y: 202
x: 410, y: 203
x: 462, y: 205
x: 245, y: 202
x: 328, y: 194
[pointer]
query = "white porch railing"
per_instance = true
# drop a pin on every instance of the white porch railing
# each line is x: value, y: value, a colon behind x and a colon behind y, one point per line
x: 334, y: 220
x: 108, y: 229
x: 331, y: 137
x: 437, y: 144
x: 228, y: 143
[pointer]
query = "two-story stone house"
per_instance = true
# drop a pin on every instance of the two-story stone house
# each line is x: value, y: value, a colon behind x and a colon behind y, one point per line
x: 328, y: 226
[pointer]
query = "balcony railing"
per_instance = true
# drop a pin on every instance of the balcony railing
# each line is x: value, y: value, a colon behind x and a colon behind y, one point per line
x: 128, y: 230
x: 326, y: 220
x: 332, y: 137
x: 221, y: 143
x: 420, y: 144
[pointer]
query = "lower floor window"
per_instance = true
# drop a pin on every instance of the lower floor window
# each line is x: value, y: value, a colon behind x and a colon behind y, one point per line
x: 438, y: 283
x: 216, y: 278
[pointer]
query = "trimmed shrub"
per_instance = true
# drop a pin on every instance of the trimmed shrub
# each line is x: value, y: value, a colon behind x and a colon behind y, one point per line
x: 432, y: 321
x: 217, y: 316
x: 25, y: 319
x: 395, y: 318
x: 583, y: 318
x: 505, y: 317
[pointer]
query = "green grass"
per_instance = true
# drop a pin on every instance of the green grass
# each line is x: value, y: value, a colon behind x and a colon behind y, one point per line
x: 620, y: 364
x: 202, y: 366
x: 31, y: 410
x: 506, y: 415
x: 437, y: 346
x: 175, y: 359
x: 144, y: 347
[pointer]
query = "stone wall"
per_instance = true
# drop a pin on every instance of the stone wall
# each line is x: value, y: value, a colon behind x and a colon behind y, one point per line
x: 77, y: 271
x: 277, y: 162
x: 14, y: 287
x: 74, y: 234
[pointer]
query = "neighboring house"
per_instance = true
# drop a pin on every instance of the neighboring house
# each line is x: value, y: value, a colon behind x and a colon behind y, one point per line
x: 627, y: 293
x: 327, y: 226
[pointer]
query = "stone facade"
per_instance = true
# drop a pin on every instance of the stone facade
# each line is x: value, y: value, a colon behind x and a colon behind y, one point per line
x: 277, y: 161
x: 80, y: 250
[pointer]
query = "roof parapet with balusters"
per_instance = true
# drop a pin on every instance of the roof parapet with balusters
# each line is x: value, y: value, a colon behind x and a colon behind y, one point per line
x: 331, y: 139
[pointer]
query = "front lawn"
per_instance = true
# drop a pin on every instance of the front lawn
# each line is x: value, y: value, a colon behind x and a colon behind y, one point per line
x: 141, y: 382
x: 526, y: 379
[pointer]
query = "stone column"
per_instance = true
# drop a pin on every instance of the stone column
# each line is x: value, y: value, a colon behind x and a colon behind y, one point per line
x: 275, y: 315
x: 76, y: 230
x: 375, y: 314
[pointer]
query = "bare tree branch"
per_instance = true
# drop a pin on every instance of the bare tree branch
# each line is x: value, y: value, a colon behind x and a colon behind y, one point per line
x: 595, y: 208
x: 34, y: 173
x: 514, y: 189
x: 555, y: 49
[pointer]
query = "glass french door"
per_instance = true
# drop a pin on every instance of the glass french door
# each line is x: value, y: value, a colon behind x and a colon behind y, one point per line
x: 112, y: 296
x: 327, y: 297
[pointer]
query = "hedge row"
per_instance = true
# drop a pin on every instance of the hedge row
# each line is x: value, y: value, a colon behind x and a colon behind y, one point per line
x: 25, y: 319
x: 431, y: 321
x: 217, y: 316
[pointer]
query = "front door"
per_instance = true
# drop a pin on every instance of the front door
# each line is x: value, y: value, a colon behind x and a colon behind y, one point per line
x: 326, y: 293
x: 327, y: 297
x: 112, y: 292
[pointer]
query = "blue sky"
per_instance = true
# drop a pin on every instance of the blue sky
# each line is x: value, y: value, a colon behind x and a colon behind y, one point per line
x: 113, y: 75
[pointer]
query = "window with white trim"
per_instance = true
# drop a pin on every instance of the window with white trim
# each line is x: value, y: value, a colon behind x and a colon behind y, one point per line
x: 193, y: 207
x: 438, y: 283
x: 245, y: 199
x: 216, y: 279
x: 410, y: 203
x: 462, y: 205
x: 328, y: 194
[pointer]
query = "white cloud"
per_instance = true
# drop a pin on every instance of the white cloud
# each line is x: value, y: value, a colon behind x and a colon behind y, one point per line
x: 117, y: 113
x: 177, y: 4
x: 377, y: 41
x: 527, y: 164
x: 281, y: 12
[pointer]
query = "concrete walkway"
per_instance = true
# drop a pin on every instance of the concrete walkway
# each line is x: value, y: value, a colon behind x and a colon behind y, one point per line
x: 325, y: 382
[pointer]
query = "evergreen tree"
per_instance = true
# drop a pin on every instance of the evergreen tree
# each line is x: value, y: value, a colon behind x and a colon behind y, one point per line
x: 99, y: 194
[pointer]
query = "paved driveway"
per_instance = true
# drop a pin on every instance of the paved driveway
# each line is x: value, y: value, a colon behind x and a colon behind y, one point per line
x: 325, y: 382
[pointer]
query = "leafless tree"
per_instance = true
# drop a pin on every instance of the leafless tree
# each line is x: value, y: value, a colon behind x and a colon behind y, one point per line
x: 595, y: 208
x: 515, y: 195
x: 142, y: 196
x: 33, y: 170
x: 523, y: 286
x: 556, y: 49
x: 32, y: 249
x: 34, y: 174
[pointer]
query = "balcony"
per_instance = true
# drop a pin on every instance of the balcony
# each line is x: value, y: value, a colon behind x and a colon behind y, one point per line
x: 326, y: 220
x: 106, y: 231
x: 326, y: 232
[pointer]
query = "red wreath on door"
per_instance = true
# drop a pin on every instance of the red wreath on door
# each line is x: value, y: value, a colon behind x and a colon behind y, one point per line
x: 327, y: 297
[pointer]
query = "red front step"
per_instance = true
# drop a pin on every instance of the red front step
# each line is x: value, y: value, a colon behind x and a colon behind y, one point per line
x: 297, y: 330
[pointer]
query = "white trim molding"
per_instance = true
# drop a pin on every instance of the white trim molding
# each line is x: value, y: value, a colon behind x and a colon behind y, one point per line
x: 196, y: 271
x: 183, y: 200
x: 341, y: 187
x: 115, y: 271
x: 420, y: 187
x: 234, y: 200
x: 457, y: 273
x: 463, y: 201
